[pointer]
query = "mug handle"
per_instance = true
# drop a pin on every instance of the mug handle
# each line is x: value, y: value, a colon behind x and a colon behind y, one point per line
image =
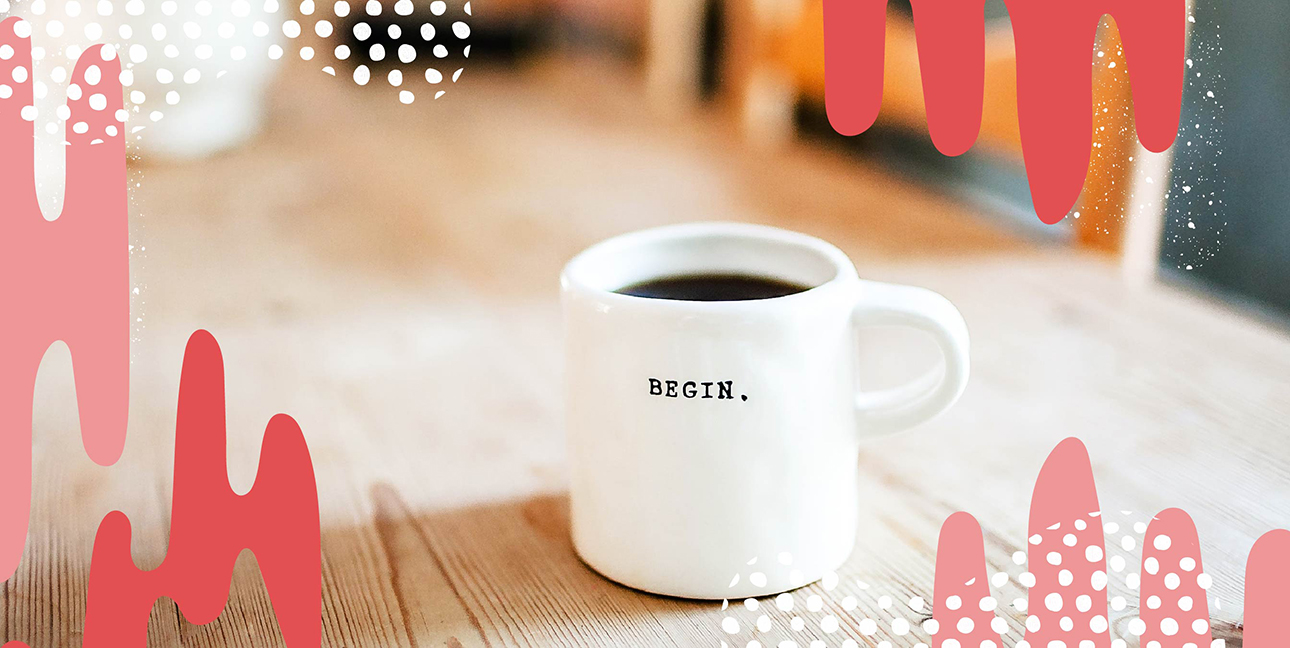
x: 903, y: 407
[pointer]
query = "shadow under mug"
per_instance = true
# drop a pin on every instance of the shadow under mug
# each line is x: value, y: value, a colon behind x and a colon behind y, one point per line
x: 754, y: 454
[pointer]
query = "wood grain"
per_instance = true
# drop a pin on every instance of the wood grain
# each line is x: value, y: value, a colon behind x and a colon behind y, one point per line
x: 387, y: 275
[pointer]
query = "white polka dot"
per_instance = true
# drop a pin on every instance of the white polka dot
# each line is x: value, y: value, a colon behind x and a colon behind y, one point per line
x: 323, y: 28
x: 953, y: 602
x: 80, y: 128
x: 373, y: 7
x: 6, y: 51
x: 1069, y: 540
x: 1065, y: 577
x: 1185, y: 604
x: 998, y: 625
x: 377, y: 52
x: 1137, y: 627
x: 1200, y: 626
x: 461, y: 29
x: 107, y: 52
x: 342, y: 52
x: 1153, y: 602
x: 427, y: 32
x: 98, y: 101
x: 987, y: 604
x: 110, y: 130
x: 1083, y: 603
x: 1054, y: 558
x: 406, y: 97
x: 1093, y: 553
x: 440, y: 51
x: 362, y: 31
x: 1053, y: 602
x: 1098, y: 624
x: 1162, y: 542
x: 438, y: 7
x: 54, y: 28
x: 899, y: 626
x: 275, y: 51
x: 1168, y: 626
x: 1151, y: 565
x: 172, y: 97
x: 122, y: 115
x: 193, y: 75
x: 407, y: 53
x: 965, y: 625
x: 29, y: 113
x: 19, y: 74
x: 1204, y: 581
x: 291, y: 29
x: 433, y: 75
x: 1172, y: 581
x: 22, y: 29
x: 1187, y: 563
x: 307, y: 53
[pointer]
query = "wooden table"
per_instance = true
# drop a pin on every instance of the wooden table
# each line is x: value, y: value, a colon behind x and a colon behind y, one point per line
x: 387, y: 275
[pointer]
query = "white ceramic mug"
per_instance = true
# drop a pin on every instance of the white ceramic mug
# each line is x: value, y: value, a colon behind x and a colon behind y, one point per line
x: 754, y: 453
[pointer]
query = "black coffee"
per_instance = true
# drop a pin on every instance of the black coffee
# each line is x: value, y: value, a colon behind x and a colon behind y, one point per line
x: 712, y: 287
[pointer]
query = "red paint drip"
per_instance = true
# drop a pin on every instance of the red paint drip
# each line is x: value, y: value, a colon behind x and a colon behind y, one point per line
x: 62, y: 280
x: 1176, y: 610
x: 1054, y: 41
x: 211, y: 525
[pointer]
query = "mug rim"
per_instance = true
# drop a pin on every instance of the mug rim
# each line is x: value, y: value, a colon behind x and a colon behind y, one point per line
x: 842, y: 270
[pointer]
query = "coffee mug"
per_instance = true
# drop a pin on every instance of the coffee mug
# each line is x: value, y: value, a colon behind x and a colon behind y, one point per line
x: 704, y: 434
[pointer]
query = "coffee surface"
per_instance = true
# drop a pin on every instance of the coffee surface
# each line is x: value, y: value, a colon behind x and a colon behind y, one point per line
x: 712, y: 287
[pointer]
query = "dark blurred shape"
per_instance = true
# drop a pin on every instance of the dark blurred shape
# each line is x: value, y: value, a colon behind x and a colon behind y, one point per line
x: 1228, y: 210
x: 712, y: 67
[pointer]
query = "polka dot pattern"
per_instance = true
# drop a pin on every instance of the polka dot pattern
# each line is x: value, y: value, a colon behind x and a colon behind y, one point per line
x: 1176, y: 610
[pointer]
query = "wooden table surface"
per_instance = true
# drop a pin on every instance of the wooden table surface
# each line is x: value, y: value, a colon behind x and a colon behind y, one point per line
x: 387, y: 275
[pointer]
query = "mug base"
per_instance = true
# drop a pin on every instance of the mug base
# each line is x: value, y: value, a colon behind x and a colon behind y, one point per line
x: 717, y: 591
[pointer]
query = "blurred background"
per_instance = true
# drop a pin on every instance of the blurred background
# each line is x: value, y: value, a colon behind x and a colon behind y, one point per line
x: 369, y: 203
x: 212, y: 77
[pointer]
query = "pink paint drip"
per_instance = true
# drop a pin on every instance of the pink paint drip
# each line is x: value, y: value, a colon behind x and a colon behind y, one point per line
x: 1054, y: 41
x: 62, y: 280
x: 1175, y: 608
x: 961, y: 585
x: 1070, y: 609
x: 1068, y: 596
x: 1267, y: 591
